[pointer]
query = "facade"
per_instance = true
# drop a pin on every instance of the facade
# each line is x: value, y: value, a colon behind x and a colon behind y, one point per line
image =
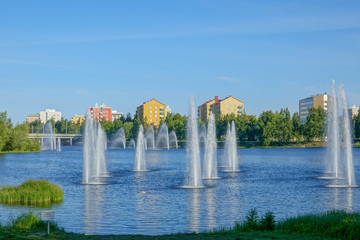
x: 353, y: 111
x: 50, y: 114
x: 204, y: 109
x: 319, y: 100
x: 229, y: 105
x: 32, y: 118
x: 101, y: 112
x: 78, y: 119
x: 153, y: 112
x: 116, y: 115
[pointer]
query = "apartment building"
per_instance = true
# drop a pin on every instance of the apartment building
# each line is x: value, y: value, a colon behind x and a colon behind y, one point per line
x: 153, y: 112
x: 229, y: 105
x: 115, y: 115
x: 101, y: 112
x: 32, y: 117
x: 78, y: 119
x: 50, y: 114
x: 204, y: 109
x: 319, y: 100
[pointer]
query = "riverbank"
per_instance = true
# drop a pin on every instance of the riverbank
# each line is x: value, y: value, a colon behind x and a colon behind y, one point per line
x: 257, y: 144
x: 329, y: 225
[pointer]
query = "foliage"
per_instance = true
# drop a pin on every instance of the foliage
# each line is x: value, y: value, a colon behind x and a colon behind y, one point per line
x: 31, y: 192
x: 315, y: 124
x: 15, y: 138
x: 337, y: 224
x: 25, y: 221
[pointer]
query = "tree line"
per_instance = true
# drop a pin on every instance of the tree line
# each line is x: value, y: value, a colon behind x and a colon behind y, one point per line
x: 15, y: 138
x: 270, y: 127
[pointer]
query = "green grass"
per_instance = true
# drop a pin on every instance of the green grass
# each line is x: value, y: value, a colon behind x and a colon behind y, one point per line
x: 329, y: 225
x: 31, y: 192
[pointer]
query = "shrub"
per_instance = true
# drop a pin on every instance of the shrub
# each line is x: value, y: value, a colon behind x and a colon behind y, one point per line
x: 252, y: 219
x: 31, y: 192
x: 25, y: 221
x: 267, y: 223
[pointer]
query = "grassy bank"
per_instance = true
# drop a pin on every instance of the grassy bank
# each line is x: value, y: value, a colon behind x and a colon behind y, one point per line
x: 18, y: 151
x: 330, y: 225
x: 31, y: 192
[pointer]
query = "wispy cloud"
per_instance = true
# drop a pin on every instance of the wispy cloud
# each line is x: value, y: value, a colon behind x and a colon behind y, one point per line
x: 226, y: 79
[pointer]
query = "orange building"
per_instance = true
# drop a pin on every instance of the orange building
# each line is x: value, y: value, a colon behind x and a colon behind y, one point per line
x: 101, y: 112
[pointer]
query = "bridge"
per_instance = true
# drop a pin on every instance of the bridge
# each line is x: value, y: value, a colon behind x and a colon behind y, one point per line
x: 41, y: 136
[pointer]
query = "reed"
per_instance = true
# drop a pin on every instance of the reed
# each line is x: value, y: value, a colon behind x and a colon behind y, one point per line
x: 31, y: 192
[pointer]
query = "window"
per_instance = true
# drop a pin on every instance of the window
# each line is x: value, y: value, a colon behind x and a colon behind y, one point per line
x: 150, y: 120
x: 150, y: 111
x: 156, y: 116
x: 155, y: 107
x: 150, y: 115
x: 155, y: 111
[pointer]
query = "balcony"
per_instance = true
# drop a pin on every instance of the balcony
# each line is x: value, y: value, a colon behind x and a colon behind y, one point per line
x: 240, y: 106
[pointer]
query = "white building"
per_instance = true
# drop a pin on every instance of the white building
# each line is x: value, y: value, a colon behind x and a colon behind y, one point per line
x: 116, y: 115
x: 353, y: 111
x: 50, y: 114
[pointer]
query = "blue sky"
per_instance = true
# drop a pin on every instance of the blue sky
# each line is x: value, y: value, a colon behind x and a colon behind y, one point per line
x: 69, y: 55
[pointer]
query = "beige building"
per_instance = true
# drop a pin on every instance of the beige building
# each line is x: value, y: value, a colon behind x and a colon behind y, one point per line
x: 229, y: 105
x: 319, y: 100
x: 32, y: 118
x: 353, y: 111
x: 153, y: 112
x: 78, y: 119
x: 204, y: 109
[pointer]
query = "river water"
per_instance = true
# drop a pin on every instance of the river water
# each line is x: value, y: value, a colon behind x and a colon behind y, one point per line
x: 279, y: 180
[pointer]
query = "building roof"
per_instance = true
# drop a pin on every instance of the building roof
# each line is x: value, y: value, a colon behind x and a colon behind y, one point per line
x: 151, y: 101
x: 231, y: 97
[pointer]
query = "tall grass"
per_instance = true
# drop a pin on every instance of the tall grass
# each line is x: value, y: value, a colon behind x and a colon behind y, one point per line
x: 31, y: 192
x: 338, y: 224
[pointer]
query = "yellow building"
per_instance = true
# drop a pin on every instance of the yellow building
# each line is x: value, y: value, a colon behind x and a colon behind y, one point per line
x: 227, y: 106
x: 153, y: 112
x: 204, y: 109
x: 78, y: 119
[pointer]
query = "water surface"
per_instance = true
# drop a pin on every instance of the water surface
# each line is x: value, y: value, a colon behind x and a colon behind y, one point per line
x: 278, y: 180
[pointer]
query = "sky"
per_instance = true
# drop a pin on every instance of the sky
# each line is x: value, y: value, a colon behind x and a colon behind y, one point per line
x: 69, y: 55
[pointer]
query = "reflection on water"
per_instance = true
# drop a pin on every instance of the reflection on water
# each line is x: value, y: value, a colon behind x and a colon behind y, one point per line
x: 194, y: 209
x: 210, y: 207
x: 149, y: 203
x: 93, y: 205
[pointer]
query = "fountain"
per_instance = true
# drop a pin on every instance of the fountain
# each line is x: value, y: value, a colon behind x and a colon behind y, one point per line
x: 119, y: 138
x: 131, y: 143
x: 162, y: 137
x: 230, y: 154
x: 150, y: 137
x: 193, y: 168
x: 140, y: 160
x: 49, y: 142
x: 173, y: 139
x: 210, y: 160
x: 202, y: 135
x: 94, y: 167
x: 58, y: 145
x: 340, y: 164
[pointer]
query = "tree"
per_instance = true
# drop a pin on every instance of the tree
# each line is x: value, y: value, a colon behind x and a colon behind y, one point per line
x: 266, y: 127
x: 315, y: 124
x: 297, y: 127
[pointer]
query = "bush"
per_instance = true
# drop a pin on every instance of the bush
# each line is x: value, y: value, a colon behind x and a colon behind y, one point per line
x: 31, y: 192
x: 25, y: 221
x: 267, y: 223
x: 252, y: 219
